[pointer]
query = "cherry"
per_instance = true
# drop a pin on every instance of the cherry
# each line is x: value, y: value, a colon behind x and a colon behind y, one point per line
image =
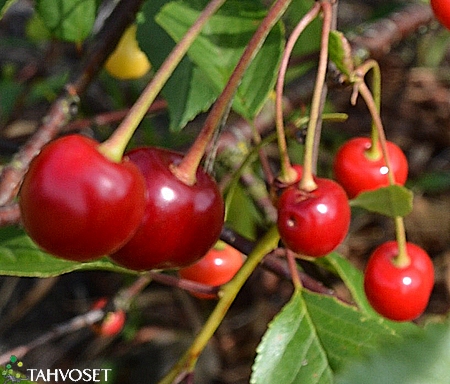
x: 76, y: 203
x: 113, y: 321
x: 313, y: 223
x: 356, y: 172
x: 395, y: 292
x: 216, y: 268
x: 181, y: 221
x: 441, y: 9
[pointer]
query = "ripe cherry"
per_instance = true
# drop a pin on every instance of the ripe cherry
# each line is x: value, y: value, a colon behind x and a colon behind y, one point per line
x: 76, y: 203
x: 112, y: 322
x: 313, y: 223
x: 181, y: 222
x: 128, y: 61
x: 441, y: 9
x: 395, y: 292
x: 356, y: 172
x: 217, y: 267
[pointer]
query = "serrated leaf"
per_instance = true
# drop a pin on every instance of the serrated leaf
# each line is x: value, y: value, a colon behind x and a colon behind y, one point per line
x: 423, y: 357
x: 391, y: 201
x: 290, y: 351
x: 344, y: 331
x: 218, y: 48
x: 19, y: 256
x: 340, y: 52
x: 67, y: 19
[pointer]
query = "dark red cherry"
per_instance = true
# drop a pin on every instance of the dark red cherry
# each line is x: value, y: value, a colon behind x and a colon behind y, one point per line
x: 313, y: 223
x: 76, y: 203
x: 181, y: 222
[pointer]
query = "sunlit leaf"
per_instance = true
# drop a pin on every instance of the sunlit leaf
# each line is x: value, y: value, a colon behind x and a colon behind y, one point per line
x: 19, y: 256
x: 391, y: 201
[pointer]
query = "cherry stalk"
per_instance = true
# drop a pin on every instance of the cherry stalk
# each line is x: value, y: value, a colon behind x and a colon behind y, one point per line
x: 115, y: 146
x: 307, y: 182
x: 288, y: 174
x: 186, y: 169
x: 402, y: 259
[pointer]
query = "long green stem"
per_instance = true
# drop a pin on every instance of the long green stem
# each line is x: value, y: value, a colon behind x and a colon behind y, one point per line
x: 286, y: 175
x: 307, y: 182
x: 186, y: 170
x: 227, y: 296
x: 403, y: 258
x: 116, y: 144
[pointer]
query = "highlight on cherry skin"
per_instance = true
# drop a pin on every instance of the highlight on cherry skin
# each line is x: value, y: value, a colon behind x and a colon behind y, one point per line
x: 181, y: 222
x: 314, y: 223
x: 357, y: 172
x: 76, y: 203
x: 399, y: 293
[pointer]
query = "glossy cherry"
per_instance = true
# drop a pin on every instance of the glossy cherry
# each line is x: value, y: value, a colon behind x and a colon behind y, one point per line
x: 112, y: 323
x: 313, y: 223
x: 76, y: 203
x: 216, y: 268
x: 399, y: 293
x: 181, y: 222
x: 441, y: 9
x: 356, y: 172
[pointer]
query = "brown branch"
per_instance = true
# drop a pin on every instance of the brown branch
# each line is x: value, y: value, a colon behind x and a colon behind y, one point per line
x: 66, y: 105
x: 9, y: 215
x: 377, y: 39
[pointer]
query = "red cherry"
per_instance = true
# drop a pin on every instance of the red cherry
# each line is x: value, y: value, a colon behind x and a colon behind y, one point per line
x: 112, y: 323
x: 399, y: 293
x: 441, y: 9
x: 314, y: 223
x: 77, y: 204
x: 181, y: 222
x: 216, y: 268
x: 357, y: 173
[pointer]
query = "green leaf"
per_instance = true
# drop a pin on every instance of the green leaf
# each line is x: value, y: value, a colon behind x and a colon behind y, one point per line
x: 220, y: 45
x: 423, y: 357
x: 290, y: 351
x: 341, y: 53
x: 391, y: 201
x: 188, y: 91
x: 19, y: 256
x: 344, y: 331
x: 68, y: 20
x: 4, y: 6
x: 433, y: 182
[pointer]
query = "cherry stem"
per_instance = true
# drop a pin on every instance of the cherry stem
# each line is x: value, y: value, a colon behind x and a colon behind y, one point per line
x: 288, y: 174
x: 186, y: 170
x: 227, y: 295
x: 307, y: 182
x: 402, y: 259
x: 115, y: 146
x: 373, y: 153
x: 293, y: 270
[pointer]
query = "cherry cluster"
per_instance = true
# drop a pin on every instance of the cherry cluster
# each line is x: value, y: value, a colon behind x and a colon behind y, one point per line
x: 314, y: 223
x: 79, y: 205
